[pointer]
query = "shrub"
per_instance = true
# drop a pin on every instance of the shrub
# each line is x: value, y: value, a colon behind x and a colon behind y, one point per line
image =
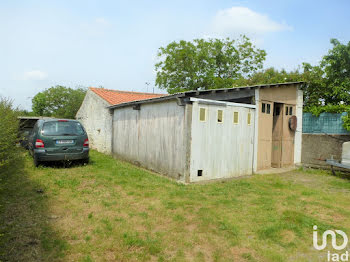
x: 8, y: 132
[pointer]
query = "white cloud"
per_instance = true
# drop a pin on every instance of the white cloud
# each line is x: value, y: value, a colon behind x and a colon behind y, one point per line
x: 238, y: 20
x: 35, y: 75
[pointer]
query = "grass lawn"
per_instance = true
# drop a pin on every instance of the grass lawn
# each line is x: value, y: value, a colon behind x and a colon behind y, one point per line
x: 112, y: 211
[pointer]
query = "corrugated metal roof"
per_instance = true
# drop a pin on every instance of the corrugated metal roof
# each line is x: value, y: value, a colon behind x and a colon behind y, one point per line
x: 201, y: 92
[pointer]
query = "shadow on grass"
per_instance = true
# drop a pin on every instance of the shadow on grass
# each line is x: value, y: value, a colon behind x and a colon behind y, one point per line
x: 25, y: 230
x: 64, y: 164
x: 342, y: 174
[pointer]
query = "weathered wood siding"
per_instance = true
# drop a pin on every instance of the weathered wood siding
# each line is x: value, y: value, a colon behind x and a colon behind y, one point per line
x: 153, y: 137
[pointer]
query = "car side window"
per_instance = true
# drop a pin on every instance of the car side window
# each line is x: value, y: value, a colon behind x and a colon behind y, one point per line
x: 35, y: 129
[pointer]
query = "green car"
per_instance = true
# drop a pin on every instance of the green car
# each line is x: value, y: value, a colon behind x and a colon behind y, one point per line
x: 57, y: 140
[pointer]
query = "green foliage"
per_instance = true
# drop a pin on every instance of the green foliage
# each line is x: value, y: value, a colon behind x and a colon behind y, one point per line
x: 206, y: 64
x: 8, y: 132
x: 270, y: 76
x: 23, y: 112
x: 317, y: 110
x: 58, y: 101
x: 346, y: 121
x: 329, y: 82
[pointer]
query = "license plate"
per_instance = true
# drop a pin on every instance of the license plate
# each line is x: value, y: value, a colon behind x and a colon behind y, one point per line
x: 64, y: 142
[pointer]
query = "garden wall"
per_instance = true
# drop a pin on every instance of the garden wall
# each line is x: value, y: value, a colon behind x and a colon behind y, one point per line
x: 316, y: 148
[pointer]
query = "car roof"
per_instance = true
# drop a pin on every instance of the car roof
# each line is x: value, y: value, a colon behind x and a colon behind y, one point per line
x: 58, y: 119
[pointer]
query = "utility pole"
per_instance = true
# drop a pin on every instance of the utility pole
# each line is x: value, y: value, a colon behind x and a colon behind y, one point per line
x: 147, y: 84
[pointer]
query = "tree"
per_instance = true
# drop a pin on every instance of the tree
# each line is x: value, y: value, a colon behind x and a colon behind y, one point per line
x: 329, y: 82
x: 58, y: 101
x: 205, y: 64
x: 270, y: 76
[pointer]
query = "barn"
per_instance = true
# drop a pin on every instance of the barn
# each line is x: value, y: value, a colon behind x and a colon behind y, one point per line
x: 95, y: 115
x: 211, y: 134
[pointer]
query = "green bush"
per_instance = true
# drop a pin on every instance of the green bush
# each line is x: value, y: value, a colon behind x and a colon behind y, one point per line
x: 8, y: 132
x: 329, y: 108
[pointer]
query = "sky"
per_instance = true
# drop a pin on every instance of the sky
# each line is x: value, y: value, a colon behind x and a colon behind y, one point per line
x: 114, y: 44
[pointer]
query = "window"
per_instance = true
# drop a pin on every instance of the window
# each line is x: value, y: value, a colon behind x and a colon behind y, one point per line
x: 235, y: 118
x: 268, y: 108
x: 220, y: 116
x: 202, y: 114
x: 286, y: 110
x: 62, y: 128
x: 263, y: 107
x: 290, y: 111
x: 199, y: 172
x: 249, y: 118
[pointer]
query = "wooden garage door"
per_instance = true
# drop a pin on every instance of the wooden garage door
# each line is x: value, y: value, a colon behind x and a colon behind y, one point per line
x: 265, y: 134
x: 287, y: 137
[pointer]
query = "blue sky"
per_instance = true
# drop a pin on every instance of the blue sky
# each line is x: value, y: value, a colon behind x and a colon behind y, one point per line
x: 114, y: 43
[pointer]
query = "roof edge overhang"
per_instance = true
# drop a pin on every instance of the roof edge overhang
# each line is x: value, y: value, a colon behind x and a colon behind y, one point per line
x: 220, y: 103
x: 189, y: 94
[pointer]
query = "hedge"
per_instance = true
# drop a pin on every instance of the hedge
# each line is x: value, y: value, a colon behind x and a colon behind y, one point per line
x: 8, y: 132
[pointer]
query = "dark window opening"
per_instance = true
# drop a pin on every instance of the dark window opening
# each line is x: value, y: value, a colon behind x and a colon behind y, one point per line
x: 263, y: 107
x: 199, y: 172
x: 268, y: 108
x: 291, y: 111
x: 277, y: 110
x: 286, y: 110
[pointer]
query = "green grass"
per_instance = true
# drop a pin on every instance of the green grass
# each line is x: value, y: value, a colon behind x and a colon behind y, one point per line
x: 113, y: 211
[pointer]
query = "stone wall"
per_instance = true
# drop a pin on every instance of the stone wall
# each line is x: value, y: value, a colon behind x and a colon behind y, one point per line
x: 316, y: 148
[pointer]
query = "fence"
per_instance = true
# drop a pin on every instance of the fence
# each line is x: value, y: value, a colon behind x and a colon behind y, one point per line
x: 326, y: 123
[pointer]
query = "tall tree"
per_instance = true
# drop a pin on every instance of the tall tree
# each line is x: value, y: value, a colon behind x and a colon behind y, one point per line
x: 205, y: 64
x: 329, y: 82
x: 58, y: 101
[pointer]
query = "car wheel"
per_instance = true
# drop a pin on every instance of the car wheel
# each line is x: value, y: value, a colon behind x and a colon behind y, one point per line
x: 36, y: 161
x: 86, y: 161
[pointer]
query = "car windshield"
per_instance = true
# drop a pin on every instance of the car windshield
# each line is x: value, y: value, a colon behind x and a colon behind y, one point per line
x: 62, y: 128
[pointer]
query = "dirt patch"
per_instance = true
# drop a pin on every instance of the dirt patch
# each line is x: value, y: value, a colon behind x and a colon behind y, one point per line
x: 241, y: 254
x: 287, y: 236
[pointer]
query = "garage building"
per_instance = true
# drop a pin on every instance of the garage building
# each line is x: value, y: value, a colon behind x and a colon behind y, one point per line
x: 211, y: 134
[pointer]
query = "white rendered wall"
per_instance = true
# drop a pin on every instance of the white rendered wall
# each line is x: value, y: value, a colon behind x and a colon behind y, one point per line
x: 97, y: 122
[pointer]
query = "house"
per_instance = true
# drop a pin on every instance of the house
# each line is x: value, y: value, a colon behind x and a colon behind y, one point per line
x: 208, y: 134
x: 96, y: 117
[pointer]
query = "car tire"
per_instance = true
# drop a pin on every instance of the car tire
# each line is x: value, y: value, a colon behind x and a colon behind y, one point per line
x: 86, y: 161
x: 36, y: 161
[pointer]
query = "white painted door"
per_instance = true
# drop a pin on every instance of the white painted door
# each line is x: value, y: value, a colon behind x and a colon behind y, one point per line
x: 222, y: 142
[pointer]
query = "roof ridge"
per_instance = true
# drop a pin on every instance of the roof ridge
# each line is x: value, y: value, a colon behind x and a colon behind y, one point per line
x: 123, y: 91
